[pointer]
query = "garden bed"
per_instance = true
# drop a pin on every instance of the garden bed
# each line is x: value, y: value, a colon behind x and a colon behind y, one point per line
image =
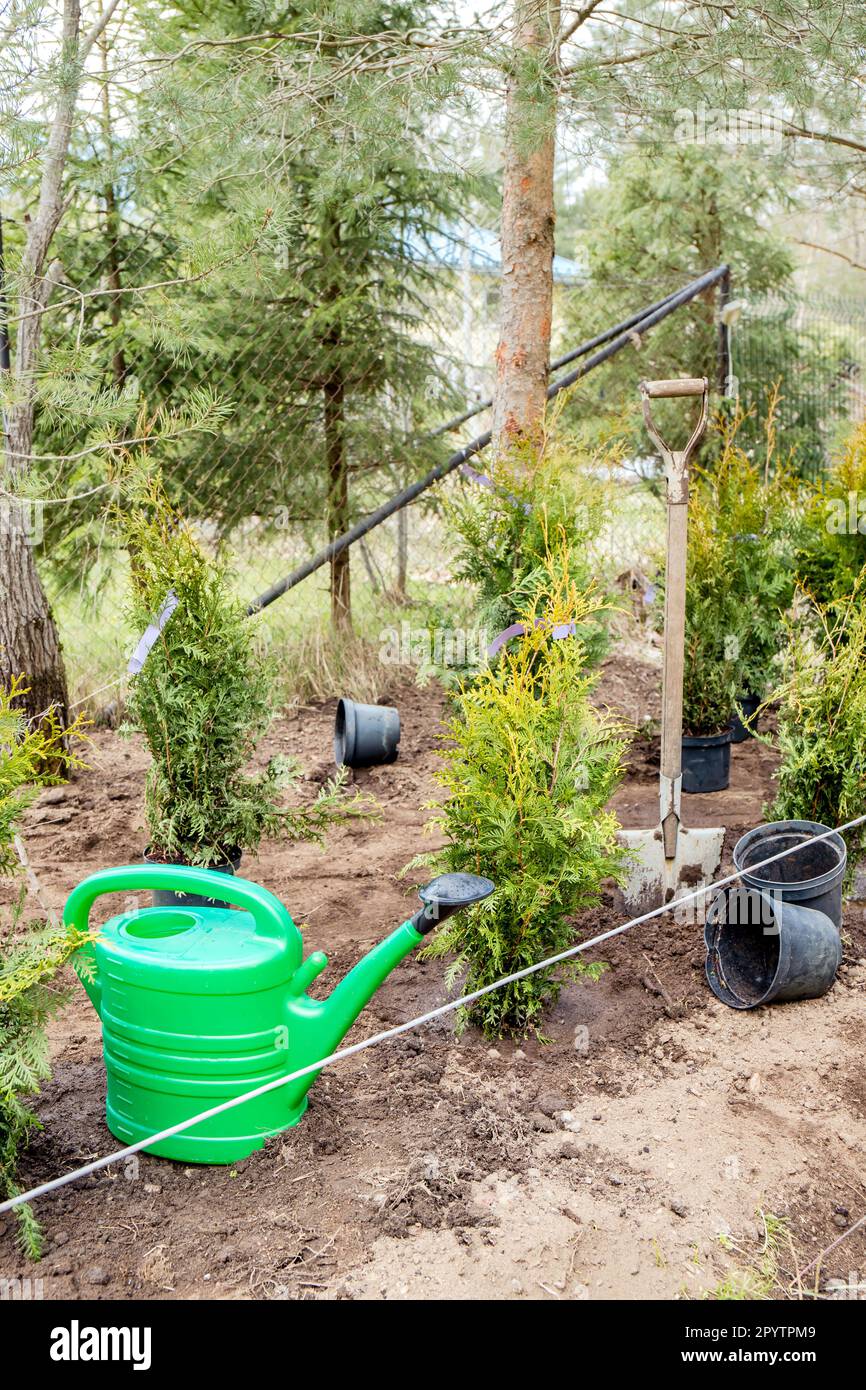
x: 433, y: 1166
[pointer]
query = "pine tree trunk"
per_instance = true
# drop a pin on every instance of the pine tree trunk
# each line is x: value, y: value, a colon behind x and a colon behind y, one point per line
x: 523, y: 354
x: 112, y: 223
x: 29, y: 644
x: 402, y: 554
x: 338, y: 499
x: 334, y: 423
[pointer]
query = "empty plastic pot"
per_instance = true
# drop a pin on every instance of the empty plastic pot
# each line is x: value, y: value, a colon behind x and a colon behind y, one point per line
x: 707, y: 762
x: 761, y: 948
x: 365, y: 735
x: 811, y: 877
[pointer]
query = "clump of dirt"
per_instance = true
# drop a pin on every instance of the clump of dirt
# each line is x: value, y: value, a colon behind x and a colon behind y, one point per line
x: 433, y: 1194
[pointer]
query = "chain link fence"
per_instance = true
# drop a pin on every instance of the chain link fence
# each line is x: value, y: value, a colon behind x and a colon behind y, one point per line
x: 316, y: 417
x: 306, y: 433
x: 814, y: 348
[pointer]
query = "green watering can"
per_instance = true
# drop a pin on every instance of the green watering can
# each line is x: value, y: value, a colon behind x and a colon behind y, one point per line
x: 199, y: 1005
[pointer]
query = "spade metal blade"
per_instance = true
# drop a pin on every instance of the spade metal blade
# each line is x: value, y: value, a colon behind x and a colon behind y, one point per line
x: 654, y: 879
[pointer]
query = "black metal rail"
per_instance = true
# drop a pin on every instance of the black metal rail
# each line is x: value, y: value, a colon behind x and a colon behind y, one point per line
x: 624, y: 334
x: 580, y: 351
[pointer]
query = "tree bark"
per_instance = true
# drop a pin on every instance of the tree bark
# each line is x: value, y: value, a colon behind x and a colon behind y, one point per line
x: 338, y: 500
x: 528, y: 218
x: 29, y: 642
x: 334, y: 424
x: 402, y: 554
x: 112, y: 226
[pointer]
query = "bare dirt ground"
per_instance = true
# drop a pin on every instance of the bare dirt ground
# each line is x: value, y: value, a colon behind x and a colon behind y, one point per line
x: 620, y: 1159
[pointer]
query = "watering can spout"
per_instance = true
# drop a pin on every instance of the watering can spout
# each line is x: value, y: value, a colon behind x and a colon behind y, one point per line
x: 338, y: 1012
x: 446, y: 895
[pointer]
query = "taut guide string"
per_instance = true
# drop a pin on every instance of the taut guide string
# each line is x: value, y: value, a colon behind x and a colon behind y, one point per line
x: 389, y: 1033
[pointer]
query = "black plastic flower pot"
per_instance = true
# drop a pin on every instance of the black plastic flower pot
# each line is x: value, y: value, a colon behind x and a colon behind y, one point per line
x: 365, y: 735
x: 761, y: 949
x: 706, y: 762
x: 740, y: 731
x: 812, y: 877
x: 162, y: 898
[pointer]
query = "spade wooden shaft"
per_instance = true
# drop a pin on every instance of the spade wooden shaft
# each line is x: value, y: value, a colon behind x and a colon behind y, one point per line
x: 673, y: 668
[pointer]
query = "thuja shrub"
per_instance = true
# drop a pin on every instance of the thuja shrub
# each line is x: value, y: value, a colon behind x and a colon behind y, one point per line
x: 534, y: 506
x: 29, y: 957
x: 714, y: 619
x: 528, y: 768
x: 822, y: 721
x: 203, y: 700
x: 746, y: 516
x: 832, y: 549
x: 745, y: 521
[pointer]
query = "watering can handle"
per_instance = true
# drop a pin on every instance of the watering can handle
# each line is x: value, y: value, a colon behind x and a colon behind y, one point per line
x: 270, y: 916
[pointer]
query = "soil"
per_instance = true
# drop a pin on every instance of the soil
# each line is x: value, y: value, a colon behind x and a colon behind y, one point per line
x: 628, y: 1156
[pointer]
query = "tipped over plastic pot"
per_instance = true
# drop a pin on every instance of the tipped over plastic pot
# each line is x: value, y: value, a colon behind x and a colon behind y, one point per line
x: 365, y: 735
x: 761, y: 949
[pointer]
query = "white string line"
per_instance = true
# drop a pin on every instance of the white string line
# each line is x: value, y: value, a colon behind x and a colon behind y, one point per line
x: 394, y: 1032
x: 99, y: 690
x: 73, y: 704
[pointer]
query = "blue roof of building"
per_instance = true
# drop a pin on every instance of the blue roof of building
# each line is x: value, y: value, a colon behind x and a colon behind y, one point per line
x: 453, y: 247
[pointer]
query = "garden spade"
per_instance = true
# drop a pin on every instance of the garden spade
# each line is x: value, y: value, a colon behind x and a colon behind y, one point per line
x: 670, y: 858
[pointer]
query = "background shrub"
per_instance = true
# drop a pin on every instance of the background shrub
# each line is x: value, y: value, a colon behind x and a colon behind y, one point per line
x: 822, y: 721
x: 204, y: 699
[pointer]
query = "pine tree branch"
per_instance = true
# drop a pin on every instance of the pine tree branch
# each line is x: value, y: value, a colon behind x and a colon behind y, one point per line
x: 580, y: 18
x: 829, y: 251
x: 96, y: 29
x: 639, y: 55
x: 825, y: 137
x: 81, y: 295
